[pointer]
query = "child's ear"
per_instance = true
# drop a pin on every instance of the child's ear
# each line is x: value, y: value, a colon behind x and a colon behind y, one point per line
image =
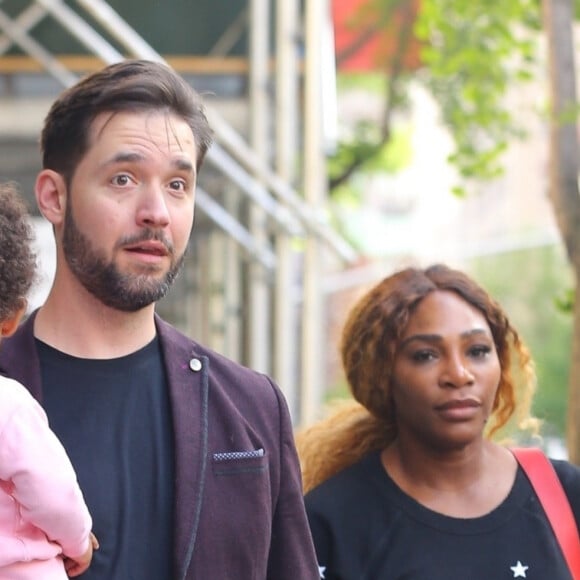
x: 9, y: 326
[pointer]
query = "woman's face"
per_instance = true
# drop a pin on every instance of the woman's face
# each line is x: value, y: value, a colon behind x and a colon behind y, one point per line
x: 446, y: 373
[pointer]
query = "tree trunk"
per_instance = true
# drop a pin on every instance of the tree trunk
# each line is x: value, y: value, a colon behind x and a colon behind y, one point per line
x: 573, y: 418
x: 558, y: 23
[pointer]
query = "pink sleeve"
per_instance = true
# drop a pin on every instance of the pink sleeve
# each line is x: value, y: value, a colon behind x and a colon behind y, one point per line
x: 45, y: 484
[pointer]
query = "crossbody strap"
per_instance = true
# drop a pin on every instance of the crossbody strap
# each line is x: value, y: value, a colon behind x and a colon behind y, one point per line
x: 550, y: 492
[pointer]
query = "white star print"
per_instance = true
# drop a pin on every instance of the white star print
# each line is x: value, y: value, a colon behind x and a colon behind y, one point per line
x: 321, y: 571
x: 519, y: 570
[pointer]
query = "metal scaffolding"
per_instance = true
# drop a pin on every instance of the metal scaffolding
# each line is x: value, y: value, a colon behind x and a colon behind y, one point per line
x: 278, y: 288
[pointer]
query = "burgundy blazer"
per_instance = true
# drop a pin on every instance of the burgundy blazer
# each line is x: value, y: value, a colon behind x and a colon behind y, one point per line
x: 239, y: 511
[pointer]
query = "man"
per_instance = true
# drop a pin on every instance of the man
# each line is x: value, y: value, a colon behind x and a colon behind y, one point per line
x: 186, y: 459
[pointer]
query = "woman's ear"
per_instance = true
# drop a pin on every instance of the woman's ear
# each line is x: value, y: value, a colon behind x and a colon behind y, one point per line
x: 9, y: 326
x: 50, y: 190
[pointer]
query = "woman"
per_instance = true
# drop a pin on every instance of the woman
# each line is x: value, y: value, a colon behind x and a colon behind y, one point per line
x: 408, y: 483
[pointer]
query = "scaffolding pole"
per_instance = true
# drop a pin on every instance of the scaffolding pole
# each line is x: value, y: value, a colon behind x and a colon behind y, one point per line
x: 259, y: 295
x: 285, y: 331
x: 315, y: 190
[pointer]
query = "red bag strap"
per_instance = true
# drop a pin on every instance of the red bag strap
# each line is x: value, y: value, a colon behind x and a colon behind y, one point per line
x: 552, y: 496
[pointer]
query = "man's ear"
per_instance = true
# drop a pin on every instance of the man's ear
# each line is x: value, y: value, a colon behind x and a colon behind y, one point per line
x: 50, y: 190
x: 9, y: 326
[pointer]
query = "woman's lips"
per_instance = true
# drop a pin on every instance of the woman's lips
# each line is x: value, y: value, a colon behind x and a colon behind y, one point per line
x: 458, y: 409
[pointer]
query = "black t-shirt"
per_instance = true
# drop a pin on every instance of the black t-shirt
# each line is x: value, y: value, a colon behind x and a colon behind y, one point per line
x: 114, y: 420
x: 366, y: 528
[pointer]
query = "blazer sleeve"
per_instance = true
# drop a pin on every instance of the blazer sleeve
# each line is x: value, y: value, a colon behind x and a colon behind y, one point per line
x: 292, y: 555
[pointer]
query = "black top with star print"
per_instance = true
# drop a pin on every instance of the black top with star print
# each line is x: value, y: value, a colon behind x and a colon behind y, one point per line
x: 366, y: 528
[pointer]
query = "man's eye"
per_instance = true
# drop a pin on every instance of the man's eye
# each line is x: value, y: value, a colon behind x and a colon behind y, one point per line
x: 121, y: 180
x: 177, y: 185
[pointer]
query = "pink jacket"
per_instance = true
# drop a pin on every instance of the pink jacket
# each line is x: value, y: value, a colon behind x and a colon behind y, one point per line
x: 42, y: 511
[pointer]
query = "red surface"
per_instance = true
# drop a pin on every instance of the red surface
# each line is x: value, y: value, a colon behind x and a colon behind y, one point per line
x: 360, y: 46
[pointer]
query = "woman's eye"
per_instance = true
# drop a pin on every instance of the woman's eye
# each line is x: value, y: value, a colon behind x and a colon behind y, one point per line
x: 422, y: 356
x: 479, y: 351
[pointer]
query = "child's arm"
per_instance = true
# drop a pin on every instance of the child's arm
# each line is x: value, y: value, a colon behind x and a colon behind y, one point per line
x: 44, y: 482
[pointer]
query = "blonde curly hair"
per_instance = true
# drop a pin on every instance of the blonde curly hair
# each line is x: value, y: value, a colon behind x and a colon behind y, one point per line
x: 369, y: 342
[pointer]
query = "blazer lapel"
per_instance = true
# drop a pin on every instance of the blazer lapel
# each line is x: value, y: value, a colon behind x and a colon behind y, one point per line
x: 187, y: 376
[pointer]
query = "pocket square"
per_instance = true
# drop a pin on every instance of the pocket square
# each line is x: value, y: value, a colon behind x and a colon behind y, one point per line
x: 231, y: 455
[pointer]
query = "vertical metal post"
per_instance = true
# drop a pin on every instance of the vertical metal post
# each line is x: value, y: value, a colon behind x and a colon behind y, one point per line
x: 259, y: 298
x: 216, y: 304
x: 315, y: 189
x: 286, y: 338
x: 233, y: 290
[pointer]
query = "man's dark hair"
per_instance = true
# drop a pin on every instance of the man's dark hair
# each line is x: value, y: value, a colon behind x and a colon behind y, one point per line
x: 130, y: 85
x: 17, y: 259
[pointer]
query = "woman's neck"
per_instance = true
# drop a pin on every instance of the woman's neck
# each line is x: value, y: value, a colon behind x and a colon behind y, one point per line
x: 468, y: 482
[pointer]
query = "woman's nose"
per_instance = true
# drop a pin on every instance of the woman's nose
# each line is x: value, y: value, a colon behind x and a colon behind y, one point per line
x: 457, y: 373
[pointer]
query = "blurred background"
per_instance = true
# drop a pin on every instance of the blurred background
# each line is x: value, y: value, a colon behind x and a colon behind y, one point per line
x: 353, y: 137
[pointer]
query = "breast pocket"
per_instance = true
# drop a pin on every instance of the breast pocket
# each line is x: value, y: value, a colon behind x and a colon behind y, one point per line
x: 238, y: 512
x: 242, y: 502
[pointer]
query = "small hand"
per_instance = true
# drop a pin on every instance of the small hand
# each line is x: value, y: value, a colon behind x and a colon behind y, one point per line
x: 76, y: 566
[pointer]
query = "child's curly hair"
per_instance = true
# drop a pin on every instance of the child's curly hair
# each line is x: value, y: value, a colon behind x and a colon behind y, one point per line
x: 17, y: 259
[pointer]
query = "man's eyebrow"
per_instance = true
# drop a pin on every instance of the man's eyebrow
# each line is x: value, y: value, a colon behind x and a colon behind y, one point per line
x: 124, y: 157
x: 184, y: 165
x: 133, y: 157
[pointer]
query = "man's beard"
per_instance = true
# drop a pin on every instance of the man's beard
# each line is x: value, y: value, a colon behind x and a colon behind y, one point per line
x: 126, y: 292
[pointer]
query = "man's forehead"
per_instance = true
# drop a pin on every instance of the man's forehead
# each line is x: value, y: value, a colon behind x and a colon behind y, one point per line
x: 143, y: 128
x: 148, y: 120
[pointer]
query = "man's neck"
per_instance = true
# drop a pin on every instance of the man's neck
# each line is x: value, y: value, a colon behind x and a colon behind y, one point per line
x: 86, y: 328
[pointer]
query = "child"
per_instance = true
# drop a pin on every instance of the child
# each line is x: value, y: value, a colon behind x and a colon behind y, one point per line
x: 44, y: 522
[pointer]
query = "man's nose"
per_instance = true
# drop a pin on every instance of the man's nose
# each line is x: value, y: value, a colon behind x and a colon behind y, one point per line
x: 153, y: 210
